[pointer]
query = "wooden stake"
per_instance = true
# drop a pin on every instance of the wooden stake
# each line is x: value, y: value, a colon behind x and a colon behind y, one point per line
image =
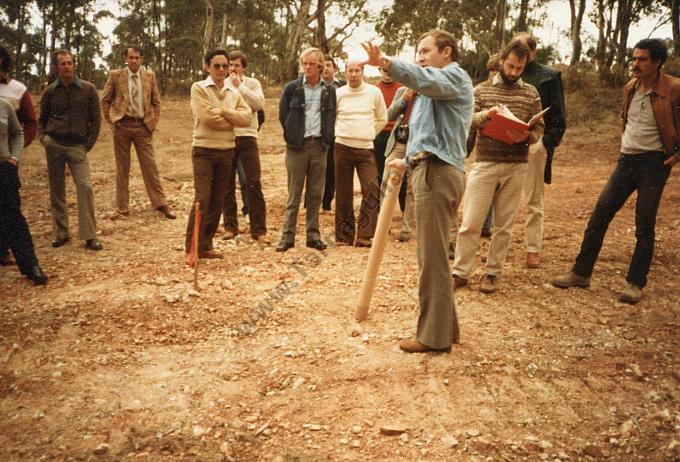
x: 197, y: 230
x: 379, y: 242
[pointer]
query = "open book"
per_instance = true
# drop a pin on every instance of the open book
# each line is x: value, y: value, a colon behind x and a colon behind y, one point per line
x: 504, y: 120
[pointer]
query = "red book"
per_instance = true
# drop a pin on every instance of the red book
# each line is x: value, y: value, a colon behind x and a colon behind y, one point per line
x: 504, y: 120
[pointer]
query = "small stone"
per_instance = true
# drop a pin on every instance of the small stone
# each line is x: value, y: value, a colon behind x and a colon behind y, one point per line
x: 356, y: 443
x: 673, y: 445
x: 449, y: 441
x: 404, y: 438
x: 356, y: 429
x: 627, y: 427
x: 562, y: 456
x: 135, y: 405
x: 356, y: 330
x: 101, y: 449
x: 592, y: 451
x: 39, y: 414
x: 343, y: 441
x: 544, y: 456
x: 636, y: 370
x: 446, y: 382
x: 57, y: 374
x: 391, y: 430
x: 198, y: 430
x: 472, y: 433
x: 545, y: 445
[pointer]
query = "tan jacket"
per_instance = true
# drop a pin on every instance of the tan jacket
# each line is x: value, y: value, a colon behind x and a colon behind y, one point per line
x: 116, y: 97
x: 216, y: 113
x: 666, y: 107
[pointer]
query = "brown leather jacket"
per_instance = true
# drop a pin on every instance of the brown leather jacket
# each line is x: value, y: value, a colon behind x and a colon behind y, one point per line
x: 666, y: 107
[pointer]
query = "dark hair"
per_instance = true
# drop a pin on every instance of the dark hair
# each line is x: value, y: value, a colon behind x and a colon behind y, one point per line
x: 238, y: 54
x: 5, y: 60
x: 657, y: 49
x: 215, y: 52
x: 516, y: 47
x: 134, y: 47
x: 442, y: 39
x: 526, y: 36
x: 327, y: 58
x: 55, y: 57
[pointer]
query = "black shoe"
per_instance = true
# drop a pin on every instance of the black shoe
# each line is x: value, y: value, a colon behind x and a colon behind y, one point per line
x: 60, y: 242
x: 93, y: 244
x: 283, y: 246
x: 318, y: 245
x: 7, y: 260
x: 36, y: 275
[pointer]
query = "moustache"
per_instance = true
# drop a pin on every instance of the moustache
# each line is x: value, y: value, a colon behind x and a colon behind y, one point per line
x: 636, y: 69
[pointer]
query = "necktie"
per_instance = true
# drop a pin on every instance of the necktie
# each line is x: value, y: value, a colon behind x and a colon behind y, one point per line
x: 135, y: 93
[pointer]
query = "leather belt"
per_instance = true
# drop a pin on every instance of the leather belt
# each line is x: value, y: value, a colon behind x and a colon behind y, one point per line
x: 419, y: 158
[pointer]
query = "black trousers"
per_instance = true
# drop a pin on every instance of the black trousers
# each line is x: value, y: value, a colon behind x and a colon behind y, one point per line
x: 14, y: 232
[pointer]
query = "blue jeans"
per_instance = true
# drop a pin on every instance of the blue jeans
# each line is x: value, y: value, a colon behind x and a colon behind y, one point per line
x: 647, y: 174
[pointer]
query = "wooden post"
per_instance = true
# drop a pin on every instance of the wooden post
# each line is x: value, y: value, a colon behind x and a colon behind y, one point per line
x: 197, y: 230
x: 379, y: 242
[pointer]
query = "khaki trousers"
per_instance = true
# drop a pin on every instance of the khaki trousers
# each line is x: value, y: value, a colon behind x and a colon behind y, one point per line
x: 347, y: 159
x: 306, y: 169
x: 533, y: 193
x: 408, y: 223
x: 437, y: 189
x: 212, y: 168
x: 500, y: 183
x: 58, y: 157
x: 125, y: 133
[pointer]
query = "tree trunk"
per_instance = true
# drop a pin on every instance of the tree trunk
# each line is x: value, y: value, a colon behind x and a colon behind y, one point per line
x: 19, y: 42
x: 499, y: 34
x: 675, y: 18
x: 321, y: 38
x: 623, y: 18
x: 290, y: 67
x: 208, y: 33
x: 521, y: 24
x: 223, y: 38
x: 576, y: 21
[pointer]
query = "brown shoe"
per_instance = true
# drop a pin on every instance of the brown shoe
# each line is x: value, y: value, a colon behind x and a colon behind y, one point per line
x: 362, y: 242
x: 631, y: 295
x: 414, y: 346
x: 167, y: 211
x: 533, y: 260
x: 571, y: 279
x: 262, y: 240
x: 212, y: 253
x: 459, y: 282
x: 123, y: 212
x: 488, y: 285
x: 228, y: 235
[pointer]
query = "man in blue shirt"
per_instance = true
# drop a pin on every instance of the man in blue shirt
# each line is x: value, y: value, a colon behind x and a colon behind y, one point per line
x: 307, y: 115
x: 436, y: 152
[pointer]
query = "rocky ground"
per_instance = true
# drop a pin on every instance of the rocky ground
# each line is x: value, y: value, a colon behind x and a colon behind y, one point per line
x: 118, y: 358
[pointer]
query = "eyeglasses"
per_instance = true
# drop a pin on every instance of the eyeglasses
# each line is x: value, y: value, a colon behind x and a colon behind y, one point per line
x: 220, y: 66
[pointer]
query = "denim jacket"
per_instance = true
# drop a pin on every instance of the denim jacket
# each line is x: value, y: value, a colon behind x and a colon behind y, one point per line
x: 292, y: 113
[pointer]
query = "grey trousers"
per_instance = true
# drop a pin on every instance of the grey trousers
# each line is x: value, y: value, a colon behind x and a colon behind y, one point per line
x: 306, y: 167
x: 437, y: 188
x: 58, y: 156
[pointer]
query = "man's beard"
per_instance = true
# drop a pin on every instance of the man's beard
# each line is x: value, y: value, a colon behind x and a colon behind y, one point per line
x: 507, y: 80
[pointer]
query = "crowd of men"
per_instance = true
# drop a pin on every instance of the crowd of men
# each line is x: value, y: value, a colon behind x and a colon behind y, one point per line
x: 423, y: 119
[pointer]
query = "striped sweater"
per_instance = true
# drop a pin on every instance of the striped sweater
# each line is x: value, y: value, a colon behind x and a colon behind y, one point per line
x: 523, y: 100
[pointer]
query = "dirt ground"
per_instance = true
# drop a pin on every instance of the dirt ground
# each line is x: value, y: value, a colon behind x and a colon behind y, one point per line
x: 117, y: 358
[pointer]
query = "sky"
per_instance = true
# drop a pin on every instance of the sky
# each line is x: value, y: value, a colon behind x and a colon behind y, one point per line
x: 551, y: 32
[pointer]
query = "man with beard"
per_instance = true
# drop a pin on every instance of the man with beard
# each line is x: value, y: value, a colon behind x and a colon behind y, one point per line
x: 500, y: 169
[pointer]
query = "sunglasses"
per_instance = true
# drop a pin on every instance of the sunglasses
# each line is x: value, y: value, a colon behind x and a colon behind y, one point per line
x: 220, y: 66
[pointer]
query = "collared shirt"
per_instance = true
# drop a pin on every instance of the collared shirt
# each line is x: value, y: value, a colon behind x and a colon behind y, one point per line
x: 71, y: 115
x: 441, y: 116
x: 312, y: 108
x: 130, y: 111
x: 641, y: 133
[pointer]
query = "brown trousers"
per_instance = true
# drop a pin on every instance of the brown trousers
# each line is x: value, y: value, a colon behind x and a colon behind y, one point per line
x: 247, y: 151
x: 125, y: 133
x: 346, y: 160
x: 212, y: 168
